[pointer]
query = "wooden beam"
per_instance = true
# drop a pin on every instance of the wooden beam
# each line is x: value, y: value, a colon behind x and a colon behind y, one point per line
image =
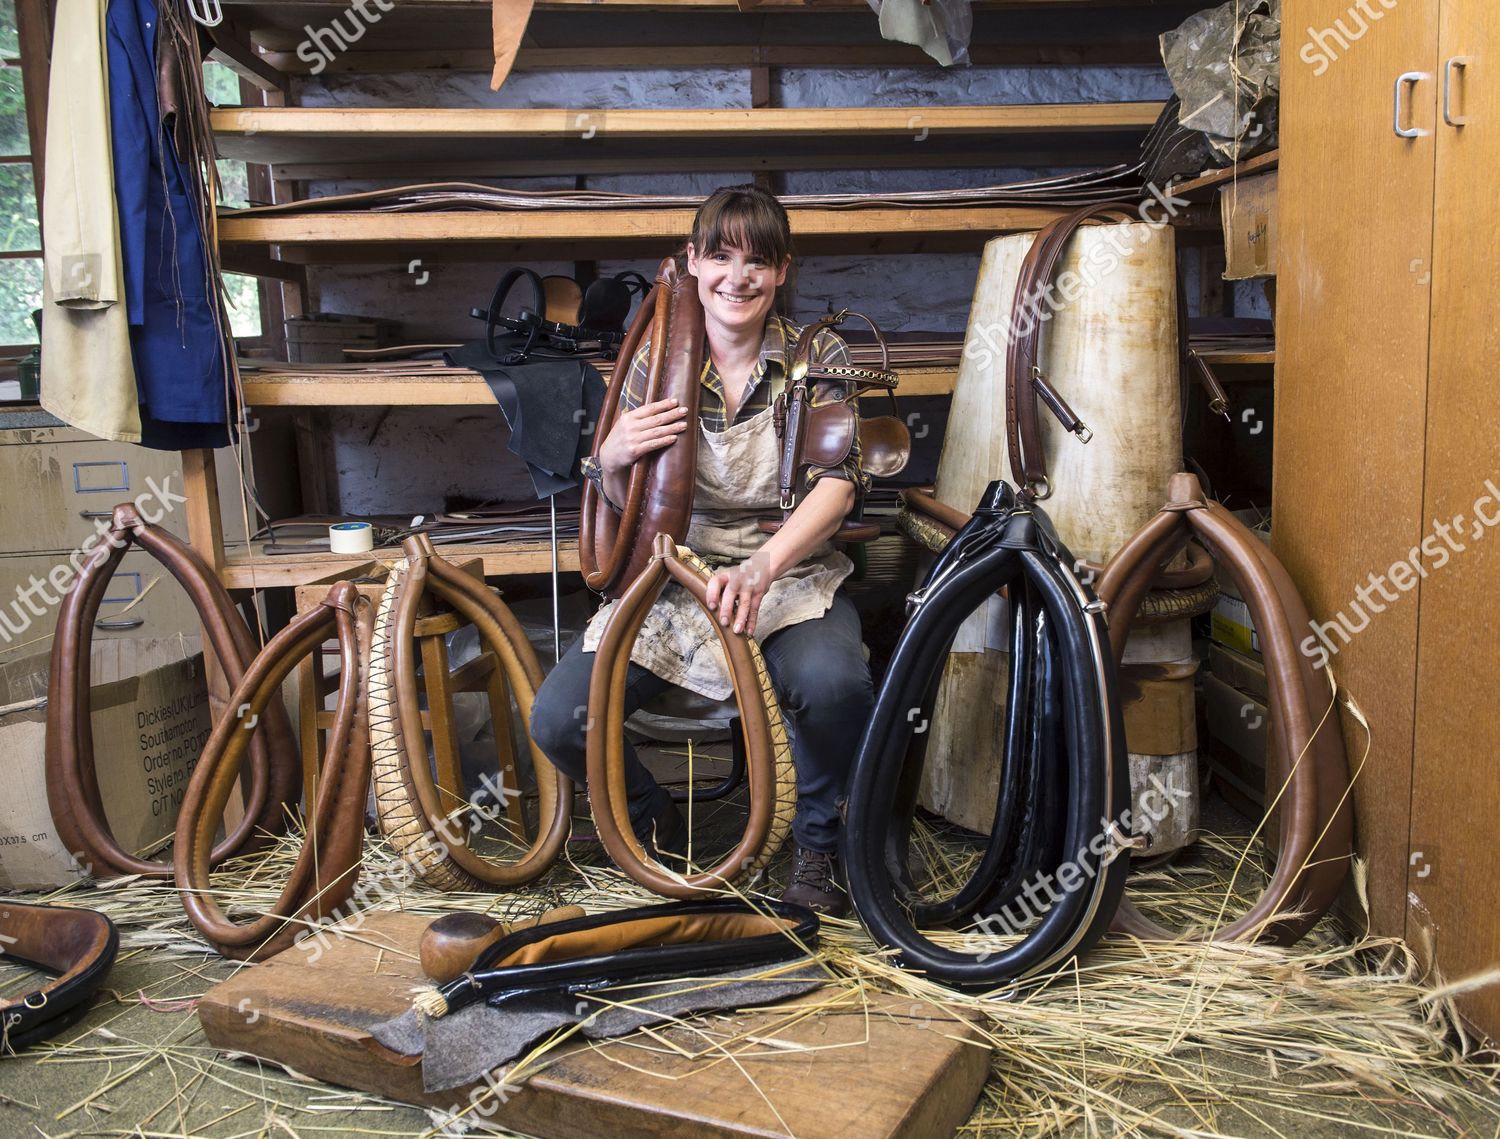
x: 1116, y: 53
x: 475, y: 123
x: 289, y: 388
x: 34, y: 30
x: 604, y: 225
x: 232, y: 48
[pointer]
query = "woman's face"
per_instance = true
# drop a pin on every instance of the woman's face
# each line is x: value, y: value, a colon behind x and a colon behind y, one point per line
x: 737, y: 288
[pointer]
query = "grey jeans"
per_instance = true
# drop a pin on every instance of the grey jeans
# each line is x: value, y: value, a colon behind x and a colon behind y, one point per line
x: 821, y: 679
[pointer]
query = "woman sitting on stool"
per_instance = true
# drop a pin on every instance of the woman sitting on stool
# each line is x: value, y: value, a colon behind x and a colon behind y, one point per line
x: 782, y: 588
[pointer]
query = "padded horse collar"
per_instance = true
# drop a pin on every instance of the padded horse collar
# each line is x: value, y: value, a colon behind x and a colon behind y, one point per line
x: 1065, y: 781
x: 773, y: 792
x: 1307, y: 772
x: 613, y: 547
x: 72, y: 784
x: 76, y: 946
x: 427, y: 831
x: 697, y: 939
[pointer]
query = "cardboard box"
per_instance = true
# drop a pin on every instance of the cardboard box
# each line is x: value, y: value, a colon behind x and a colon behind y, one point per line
x: 1229, y: 624
x: 1248, y: 207
x: 1239, y: 728
x: 1237, y: 670
x: 150, y: 720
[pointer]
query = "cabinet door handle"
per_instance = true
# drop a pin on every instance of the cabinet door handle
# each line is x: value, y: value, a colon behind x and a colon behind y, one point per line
x: 1457, y: 63
x: 1411, y: 78
x: 121, y: 623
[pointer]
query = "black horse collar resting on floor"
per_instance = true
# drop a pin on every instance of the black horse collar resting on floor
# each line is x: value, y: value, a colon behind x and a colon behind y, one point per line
x: 1064, y: 784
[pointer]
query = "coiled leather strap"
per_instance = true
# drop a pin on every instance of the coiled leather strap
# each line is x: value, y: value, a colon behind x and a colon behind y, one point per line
x: 429, y: 832
x: 77, y: 946
x: 773, y: 789
x: 1065, y: 781
x: 1306, y: 770
x: 72, y: 784
x: 614, y: 548
x: 323, y: 875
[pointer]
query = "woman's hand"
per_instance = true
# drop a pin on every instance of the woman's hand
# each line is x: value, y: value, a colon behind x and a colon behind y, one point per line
x: 647, y: 428
x: 737, y: 591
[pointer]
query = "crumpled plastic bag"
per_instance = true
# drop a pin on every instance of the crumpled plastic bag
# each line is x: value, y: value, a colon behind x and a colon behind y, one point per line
x: 941, y: 28
x: 1225, y: 65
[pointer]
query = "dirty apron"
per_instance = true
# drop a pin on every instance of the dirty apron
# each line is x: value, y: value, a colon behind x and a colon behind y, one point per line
x: 736, y: 486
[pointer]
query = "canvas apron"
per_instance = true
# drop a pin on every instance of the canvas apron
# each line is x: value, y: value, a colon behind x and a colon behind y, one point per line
x: 736, y: 485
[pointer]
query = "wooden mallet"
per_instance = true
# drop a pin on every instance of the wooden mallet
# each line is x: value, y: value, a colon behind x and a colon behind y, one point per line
x: 453, y: 942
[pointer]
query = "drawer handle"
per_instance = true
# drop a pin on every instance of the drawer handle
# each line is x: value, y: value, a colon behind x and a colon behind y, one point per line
x: 92, y: 514
x: 121, y: 623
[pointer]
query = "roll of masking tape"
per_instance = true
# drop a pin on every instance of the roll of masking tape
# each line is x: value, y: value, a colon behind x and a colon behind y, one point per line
x: 351, y: 538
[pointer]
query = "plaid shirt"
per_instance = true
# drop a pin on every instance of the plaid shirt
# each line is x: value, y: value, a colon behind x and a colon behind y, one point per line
x: 766, y: 381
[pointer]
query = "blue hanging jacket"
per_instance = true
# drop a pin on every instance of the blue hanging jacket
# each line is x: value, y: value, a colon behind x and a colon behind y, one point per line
x: 170, y: 299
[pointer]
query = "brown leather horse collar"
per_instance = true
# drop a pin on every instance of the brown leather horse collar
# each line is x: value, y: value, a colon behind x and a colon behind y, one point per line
x: 72, y: 783
x: 77, y: 946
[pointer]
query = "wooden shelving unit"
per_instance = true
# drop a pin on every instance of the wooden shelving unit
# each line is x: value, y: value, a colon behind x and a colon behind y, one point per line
x: 260, y: 38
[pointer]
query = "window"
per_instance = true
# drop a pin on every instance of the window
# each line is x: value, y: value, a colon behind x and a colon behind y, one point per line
x: 20, y: 234
x: 223, y: 89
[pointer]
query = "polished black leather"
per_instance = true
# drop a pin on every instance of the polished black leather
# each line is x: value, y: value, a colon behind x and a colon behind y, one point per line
x: 77, y: 946
x: 650, y: 943
x: 1065, y: 781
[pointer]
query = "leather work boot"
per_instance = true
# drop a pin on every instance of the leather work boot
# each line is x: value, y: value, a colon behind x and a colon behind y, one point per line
x: 813, y: 882
x: 665, y: 833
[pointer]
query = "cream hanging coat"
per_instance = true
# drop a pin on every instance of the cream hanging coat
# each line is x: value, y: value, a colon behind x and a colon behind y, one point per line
x: 735, y: 487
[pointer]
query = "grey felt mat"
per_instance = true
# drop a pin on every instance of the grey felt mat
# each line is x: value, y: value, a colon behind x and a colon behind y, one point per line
x: 460, y: 1048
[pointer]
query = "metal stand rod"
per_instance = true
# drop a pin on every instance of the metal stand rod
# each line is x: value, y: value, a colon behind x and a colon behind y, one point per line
x: 556, y: 604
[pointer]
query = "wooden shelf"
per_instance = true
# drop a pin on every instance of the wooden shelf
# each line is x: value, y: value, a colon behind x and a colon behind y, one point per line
x: 1203, y: 187
x: 710, y: 138
x: 287, y: 387
x: 259, y: 570
x: 592, y: 234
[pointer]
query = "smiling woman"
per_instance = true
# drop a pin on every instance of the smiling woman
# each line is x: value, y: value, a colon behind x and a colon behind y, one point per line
x: 782, y: 589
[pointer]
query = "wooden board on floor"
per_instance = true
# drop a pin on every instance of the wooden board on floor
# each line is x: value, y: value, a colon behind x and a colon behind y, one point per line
x: 875, y: 1068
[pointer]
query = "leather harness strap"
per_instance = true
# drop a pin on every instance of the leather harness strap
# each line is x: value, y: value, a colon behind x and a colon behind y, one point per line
x: 326, y: 868
x: 1307, y: 773
x: 1024, y: 379
x: 72, y: 783
x: 613, y: 547
x: 823, y: 434
x: 429, y: 832
x: 78, y: 946
x: 1064, y: 785
x: 773, y: 791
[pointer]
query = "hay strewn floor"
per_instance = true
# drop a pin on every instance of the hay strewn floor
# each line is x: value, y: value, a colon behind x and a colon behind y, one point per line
x: 1328, y: 1039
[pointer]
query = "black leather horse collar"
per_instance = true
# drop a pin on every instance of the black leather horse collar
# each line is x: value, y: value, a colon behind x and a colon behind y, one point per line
x: 76, y: 946
x: 1064, y: 786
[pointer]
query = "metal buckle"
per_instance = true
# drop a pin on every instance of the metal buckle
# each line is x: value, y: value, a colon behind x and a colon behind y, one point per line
x: 1083, y: 432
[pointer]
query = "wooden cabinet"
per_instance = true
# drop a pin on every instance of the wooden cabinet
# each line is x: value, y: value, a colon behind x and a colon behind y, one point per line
x: 1385, y: 439
x: 55, y: 484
